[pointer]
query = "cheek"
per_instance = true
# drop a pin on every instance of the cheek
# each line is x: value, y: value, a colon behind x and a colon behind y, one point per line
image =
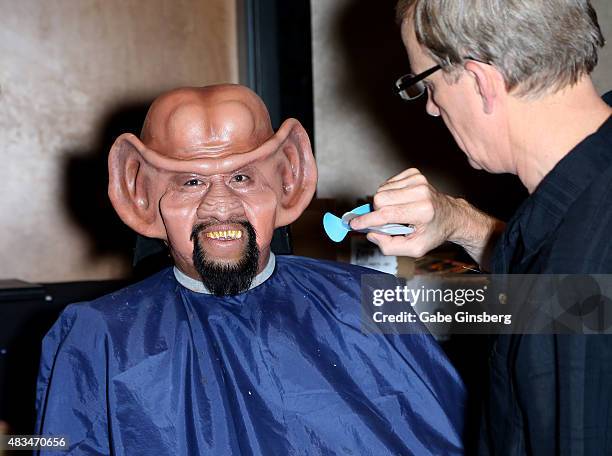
x: 473, y: 164
x: 261, y: 213
x: 178, y: 214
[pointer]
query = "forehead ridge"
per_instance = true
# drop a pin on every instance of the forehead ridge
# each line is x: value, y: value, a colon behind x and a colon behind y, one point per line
x: 192, y: 127
x: 198, y: 123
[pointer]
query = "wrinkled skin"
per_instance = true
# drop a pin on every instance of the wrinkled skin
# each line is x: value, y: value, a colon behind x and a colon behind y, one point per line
x: 209, y: 156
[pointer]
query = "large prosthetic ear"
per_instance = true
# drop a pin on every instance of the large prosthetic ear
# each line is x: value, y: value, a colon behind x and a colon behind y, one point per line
x: 298, y: 171
x: 133, y: 187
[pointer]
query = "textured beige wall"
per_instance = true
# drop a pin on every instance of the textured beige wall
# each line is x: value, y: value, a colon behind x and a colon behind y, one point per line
x: 71, y: 71
x: 364, y: 134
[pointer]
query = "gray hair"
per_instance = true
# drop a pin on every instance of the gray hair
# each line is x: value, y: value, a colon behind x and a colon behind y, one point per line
x: 537, y: 45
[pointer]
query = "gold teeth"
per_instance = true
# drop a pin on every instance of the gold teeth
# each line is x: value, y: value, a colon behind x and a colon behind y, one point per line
x: 226, y: 234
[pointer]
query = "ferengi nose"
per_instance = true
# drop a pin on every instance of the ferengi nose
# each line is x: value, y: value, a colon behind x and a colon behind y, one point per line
x: 220, y: 203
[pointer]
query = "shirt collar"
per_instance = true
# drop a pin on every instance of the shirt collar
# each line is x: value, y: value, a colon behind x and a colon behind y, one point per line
x: 199, y: 287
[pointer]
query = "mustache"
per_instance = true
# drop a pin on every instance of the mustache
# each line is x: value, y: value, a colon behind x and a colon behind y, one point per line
x: 199, y: 227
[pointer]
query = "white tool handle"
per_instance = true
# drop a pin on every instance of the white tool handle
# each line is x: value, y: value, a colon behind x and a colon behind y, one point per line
x: 391, y: 229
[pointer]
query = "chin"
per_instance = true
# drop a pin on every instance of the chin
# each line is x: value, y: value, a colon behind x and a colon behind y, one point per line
x: 224, y: 262
x: 474, y: 164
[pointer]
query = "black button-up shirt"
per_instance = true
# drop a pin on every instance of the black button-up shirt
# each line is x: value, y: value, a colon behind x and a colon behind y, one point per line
x: 552, y: 394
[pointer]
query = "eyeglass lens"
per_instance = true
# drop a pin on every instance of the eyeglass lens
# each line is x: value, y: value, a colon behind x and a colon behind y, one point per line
x: 412, y: 90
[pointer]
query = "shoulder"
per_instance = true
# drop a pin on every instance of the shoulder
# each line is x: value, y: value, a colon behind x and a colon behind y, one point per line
x: 583, y: 236
x: 331, y: 285
x: 76, y: 321
x: 92, y: 316
x: 322, y: 267
x: 152, y: 288
x: 76, y: 338
x: 324, y: 274
x: 116, y: 320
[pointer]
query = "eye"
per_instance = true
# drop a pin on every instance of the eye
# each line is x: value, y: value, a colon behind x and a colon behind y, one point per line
x: 193, y: 182
x: 240, y: 178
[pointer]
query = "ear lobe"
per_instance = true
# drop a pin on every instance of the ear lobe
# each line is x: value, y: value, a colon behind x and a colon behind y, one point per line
x: 130, y: 187
x: 298, y: 172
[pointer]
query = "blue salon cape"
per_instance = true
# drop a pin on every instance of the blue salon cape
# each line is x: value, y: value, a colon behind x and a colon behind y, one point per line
x: 282, y: 369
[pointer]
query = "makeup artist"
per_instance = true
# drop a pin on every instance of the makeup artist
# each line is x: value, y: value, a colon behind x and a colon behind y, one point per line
x: 510, y: 79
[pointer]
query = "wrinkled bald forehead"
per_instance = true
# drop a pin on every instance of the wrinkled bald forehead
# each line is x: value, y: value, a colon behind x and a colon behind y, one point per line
x: 214, y: 121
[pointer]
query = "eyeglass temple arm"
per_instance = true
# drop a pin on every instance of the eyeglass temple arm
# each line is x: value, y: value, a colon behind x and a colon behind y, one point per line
x: 419, y: 77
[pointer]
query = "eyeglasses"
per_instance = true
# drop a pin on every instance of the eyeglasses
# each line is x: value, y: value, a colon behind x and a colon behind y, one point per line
x: 410, y: 86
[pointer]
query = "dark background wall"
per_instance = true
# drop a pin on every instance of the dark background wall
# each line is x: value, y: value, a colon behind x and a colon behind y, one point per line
x: 364, y: 134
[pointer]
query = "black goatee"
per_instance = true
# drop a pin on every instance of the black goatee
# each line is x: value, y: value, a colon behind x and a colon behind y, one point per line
x: 226, y: 279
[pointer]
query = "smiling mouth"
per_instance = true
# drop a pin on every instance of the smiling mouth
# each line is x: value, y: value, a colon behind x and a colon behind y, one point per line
x: 224, y: 235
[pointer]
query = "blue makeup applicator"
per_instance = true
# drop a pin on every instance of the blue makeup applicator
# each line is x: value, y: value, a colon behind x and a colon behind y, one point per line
x: 337, y: 228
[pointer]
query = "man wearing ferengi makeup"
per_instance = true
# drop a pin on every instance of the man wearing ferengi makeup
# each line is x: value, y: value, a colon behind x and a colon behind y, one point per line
x: 234, y: 351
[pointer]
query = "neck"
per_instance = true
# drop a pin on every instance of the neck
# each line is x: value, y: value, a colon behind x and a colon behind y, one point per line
x: 546, y: 129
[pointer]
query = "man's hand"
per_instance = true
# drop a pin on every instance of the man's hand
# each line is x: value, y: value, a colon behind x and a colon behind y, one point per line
x: 409, y: 199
